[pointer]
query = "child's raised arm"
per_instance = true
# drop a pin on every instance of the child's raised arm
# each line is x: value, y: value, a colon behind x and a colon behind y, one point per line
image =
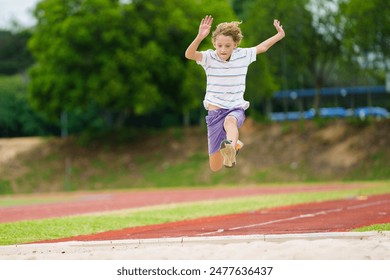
x: 264, y: 46
x: 204, y: 30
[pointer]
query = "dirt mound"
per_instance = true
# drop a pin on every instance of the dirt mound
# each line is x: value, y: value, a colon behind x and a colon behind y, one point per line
x: 309, y: 149
x: 278, y: 152
x: 10, y: 148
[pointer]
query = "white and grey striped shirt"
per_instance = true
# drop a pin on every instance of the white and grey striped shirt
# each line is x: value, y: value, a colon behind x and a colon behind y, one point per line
x: 226, y: 79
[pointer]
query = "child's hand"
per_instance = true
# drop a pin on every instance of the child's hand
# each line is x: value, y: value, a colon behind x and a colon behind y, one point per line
x: 204, y: 27
x: 279, y: 27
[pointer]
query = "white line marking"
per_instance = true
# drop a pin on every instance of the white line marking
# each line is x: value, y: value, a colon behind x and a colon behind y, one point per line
x: 211, y: 232
x: 289, y: 219
x: 309, y: 215
x: 368, y: 204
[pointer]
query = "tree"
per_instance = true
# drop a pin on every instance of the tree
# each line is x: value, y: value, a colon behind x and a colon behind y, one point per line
x: 367, y: 31
x: 174, y: 24
x: 307, y: 57
x: 125, y: 58
x: 285, y: 65
x: 16, y: 116
x: 91, y: 52
x: 325, y: 45
x: 239, y: 7
x: 14, y: 55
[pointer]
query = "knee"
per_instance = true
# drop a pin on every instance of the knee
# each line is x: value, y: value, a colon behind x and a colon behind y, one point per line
x: 230, y: 120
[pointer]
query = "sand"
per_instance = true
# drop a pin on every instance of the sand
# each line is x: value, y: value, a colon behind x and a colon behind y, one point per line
x: 312, y: 246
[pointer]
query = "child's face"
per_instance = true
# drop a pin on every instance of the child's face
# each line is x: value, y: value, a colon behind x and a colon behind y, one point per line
x: 224, y: 46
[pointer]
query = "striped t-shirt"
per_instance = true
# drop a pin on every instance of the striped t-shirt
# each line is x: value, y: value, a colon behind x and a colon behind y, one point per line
x: 226, y: 79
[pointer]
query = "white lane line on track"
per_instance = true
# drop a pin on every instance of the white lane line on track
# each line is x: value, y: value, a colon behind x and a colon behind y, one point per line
x: 368, y: 204
x: 309, y: 215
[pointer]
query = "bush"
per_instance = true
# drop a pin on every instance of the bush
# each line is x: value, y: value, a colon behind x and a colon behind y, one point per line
x: 5, y: 187
x: 16, y: 115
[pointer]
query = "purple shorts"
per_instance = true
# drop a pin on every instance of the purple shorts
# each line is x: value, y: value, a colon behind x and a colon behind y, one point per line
x: 215, y: 130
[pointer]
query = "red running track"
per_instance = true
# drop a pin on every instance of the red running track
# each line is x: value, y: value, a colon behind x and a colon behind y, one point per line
x: 83, y: 203
x: 331, y: 216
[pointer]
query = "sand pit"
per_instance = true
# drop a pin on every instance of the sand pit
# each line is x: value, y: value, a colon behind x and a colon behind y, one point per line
x: 312, y: 246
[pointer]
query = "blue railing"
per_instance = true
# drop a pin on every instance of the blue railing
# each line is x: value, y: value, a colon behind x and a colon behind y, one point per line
x: 332, y: 112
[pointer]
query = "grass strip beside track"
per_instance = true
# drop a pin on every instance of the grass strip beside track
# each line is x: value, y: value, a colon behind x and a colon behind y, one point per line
x: 31, y: 231
x: 379, y: 228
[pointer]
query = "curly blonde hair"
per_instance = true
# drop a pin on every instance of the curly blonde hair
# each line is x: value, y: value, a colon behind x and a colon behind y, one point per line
x: 231, y: 29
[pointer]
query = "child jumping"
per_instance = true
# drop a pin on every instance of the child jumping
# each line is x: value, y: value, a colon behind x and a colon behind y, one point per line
x: 226, y: 68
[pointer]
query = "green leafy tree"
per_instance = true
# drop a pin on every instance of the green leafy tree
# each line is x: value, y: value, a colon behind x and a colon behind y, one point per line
x: 367, y: 31
x: 325, y: 51
x: 285, y: 65
x: 307, y: 57
x: 125, y: 58
x: 14, y: 55
x: 16, y: 115
x: 173, y: 25
x: 92, y: 52
x: 239, y: 7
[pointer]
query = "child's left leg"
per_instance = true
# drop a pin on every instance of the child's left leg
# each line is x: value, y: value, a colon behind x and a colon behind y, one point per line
x: 216, y: 161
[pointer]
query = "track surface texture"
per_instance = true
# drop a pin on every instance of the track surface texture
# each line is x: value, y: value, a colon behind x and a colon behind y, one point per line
x: 330, y: 216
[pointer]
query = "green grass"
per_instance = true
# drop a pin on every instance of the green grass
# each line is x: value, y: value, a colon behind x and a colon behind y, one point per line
x: 30, y: 231
x: 185, y: 173
x: 380, y: 168
x: 379, y: 228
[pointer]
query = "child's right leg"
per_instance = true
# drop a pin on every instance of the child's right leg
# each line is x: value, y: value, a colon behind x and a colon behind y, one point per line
x: 230, y: 125
x: 228, y: 146
x: 222, y: 124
